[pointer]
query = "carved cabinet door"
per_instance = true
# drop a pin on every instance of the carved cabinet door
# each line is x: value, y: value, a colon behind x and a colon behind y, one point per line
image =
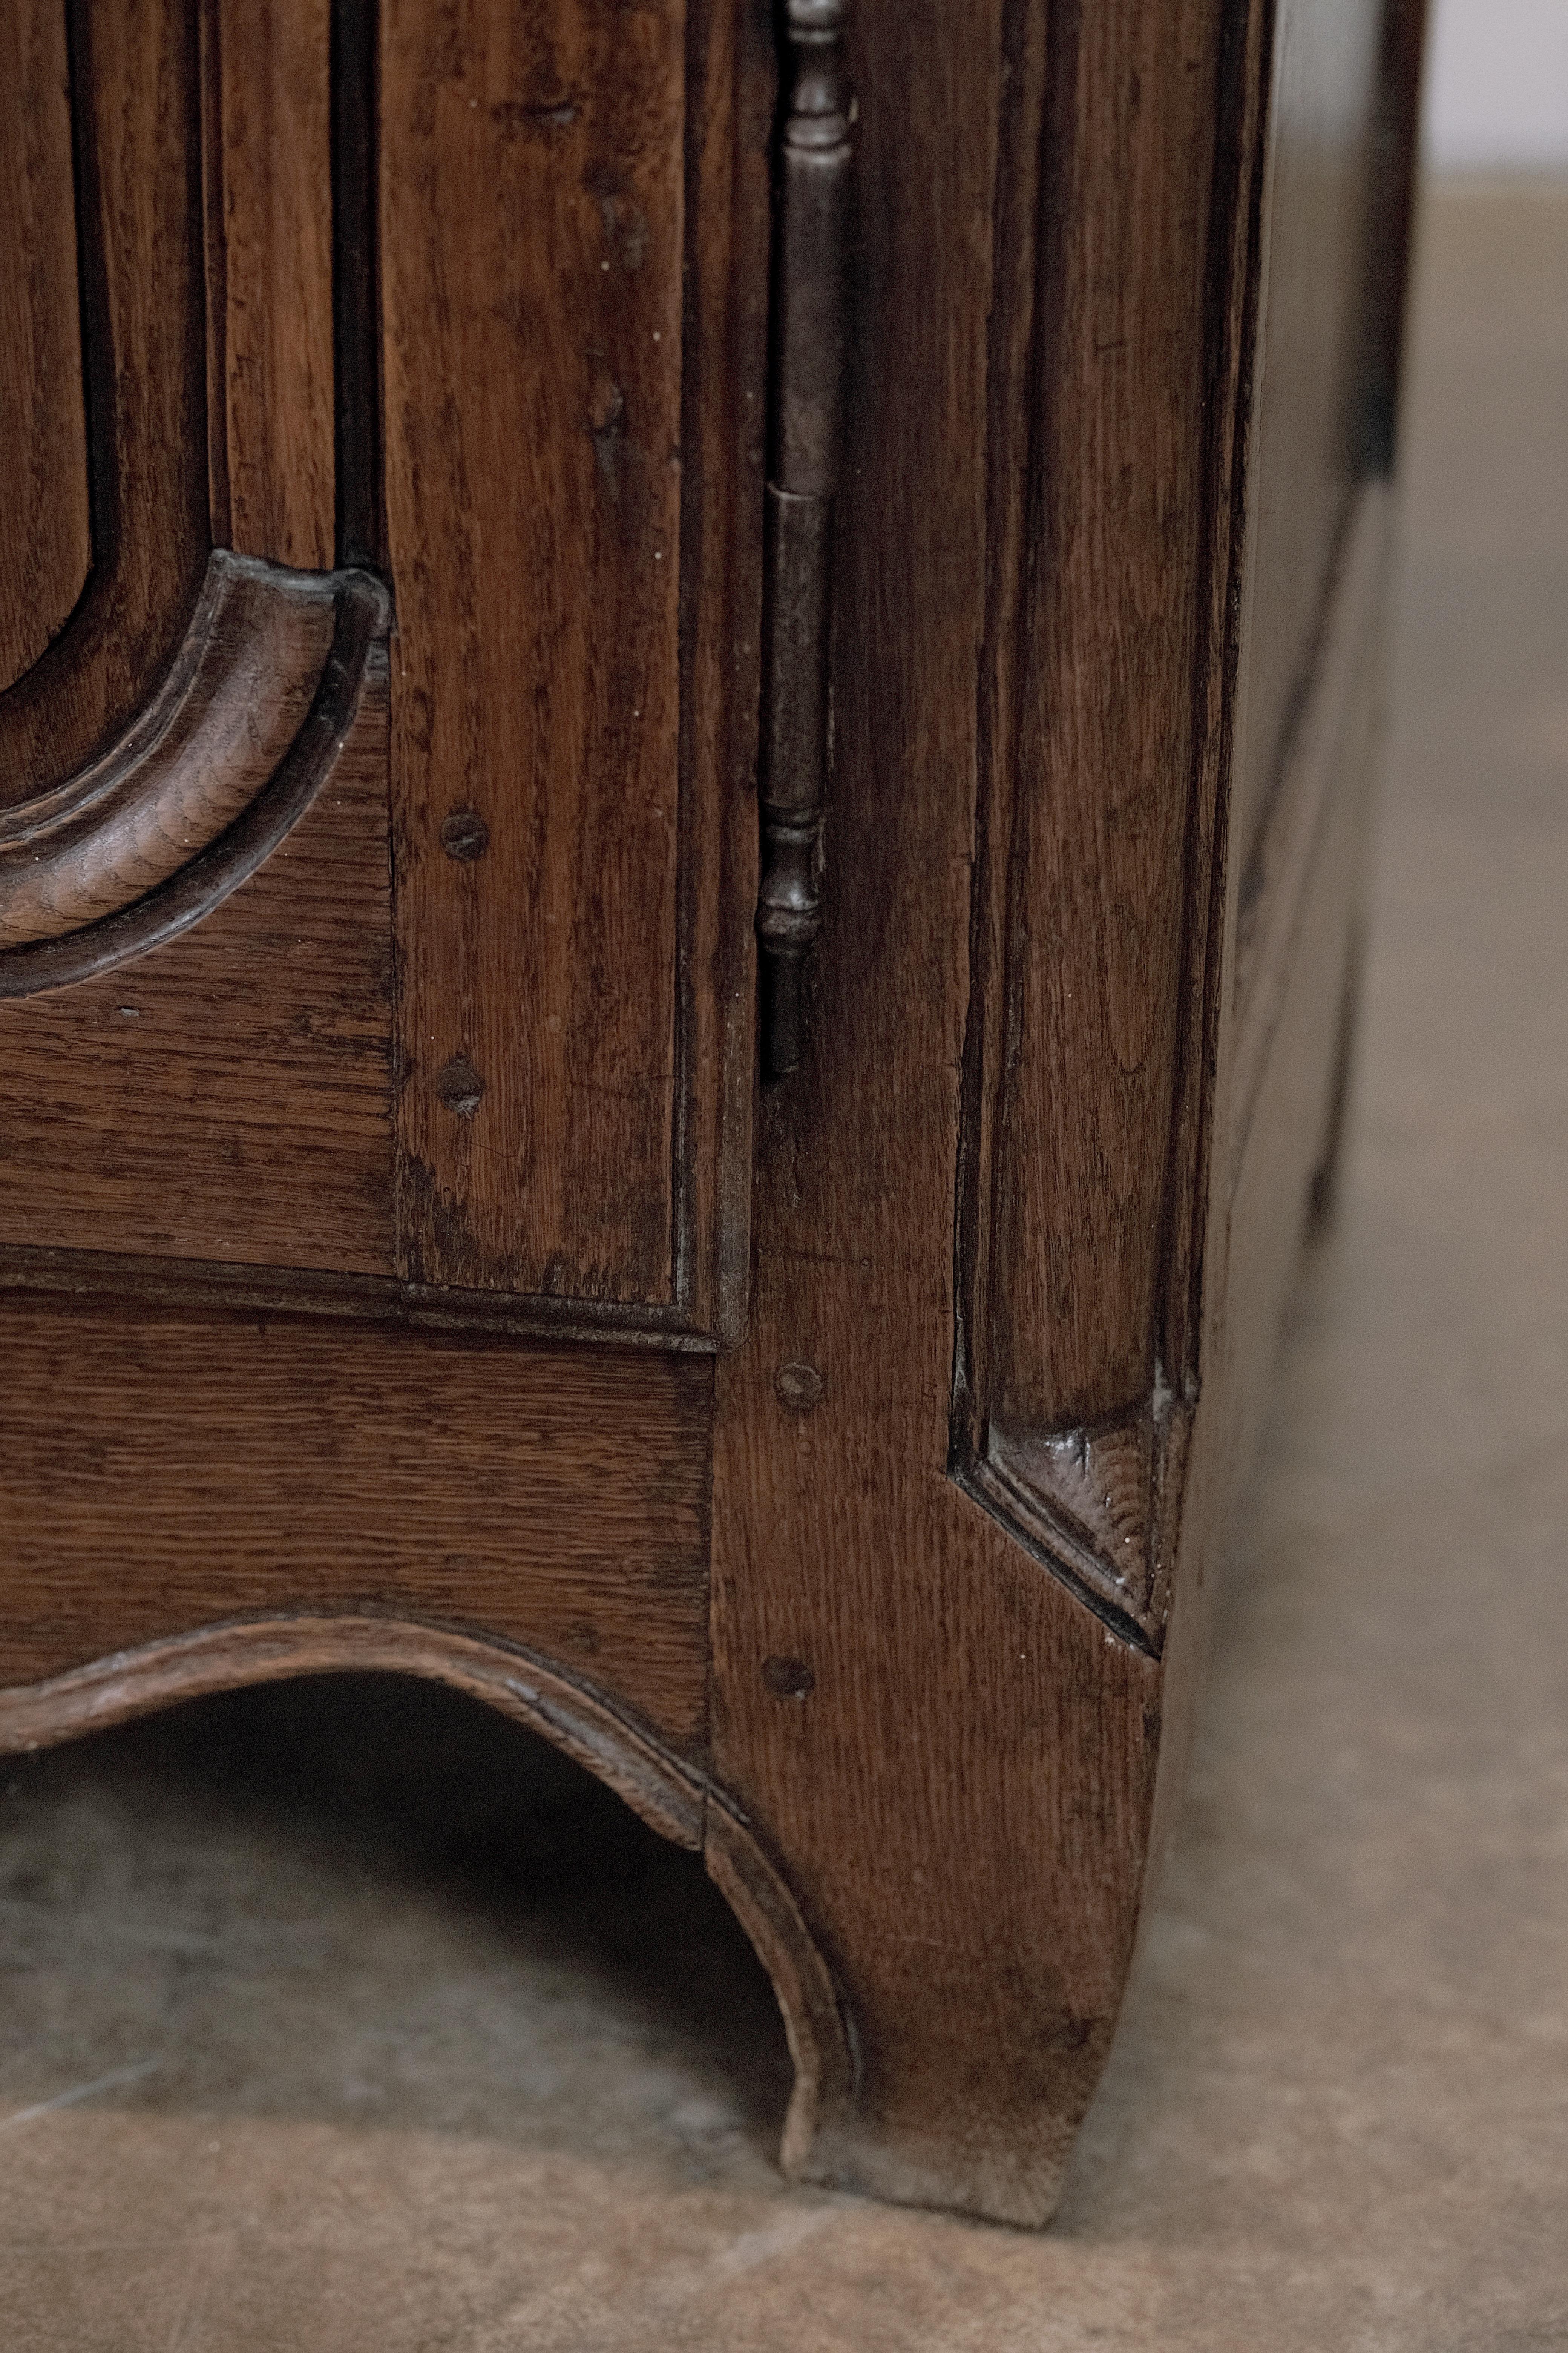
x: 680, y: 852
x: 383, y: 388
x: 379, y: 623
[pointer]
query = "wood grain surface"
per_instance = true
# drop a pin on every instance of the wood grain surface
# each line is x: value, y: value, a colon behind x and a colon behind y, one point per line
x: 531, y: 181
x: 234, y: 1653
x: 1277, y: 881
x: 208, y: 742
x: 229, y: 1096
x: 1093, y: 776
x: 135, y: 90
x: 910, y: 1700
x: 1088, y: 1067
x: 881, y: 1590
x: 576, y: 1045
x: 45, y: 546
x: 953, y: 1753
x: 1397, y: 135
x: 670, y: 1792
x: 268, y: 159
x: 143, y: 852
x: 163, y: 1471
x: 730, y: 90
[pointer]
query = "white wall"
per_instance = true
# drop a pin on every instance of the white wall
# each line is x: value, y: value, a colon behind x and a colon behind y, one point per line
x: 1497, y: 85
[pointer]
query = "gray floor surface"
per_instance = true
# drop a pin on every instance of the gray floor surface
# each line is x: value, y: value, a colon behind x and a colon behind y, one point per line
x: 302, y: 2044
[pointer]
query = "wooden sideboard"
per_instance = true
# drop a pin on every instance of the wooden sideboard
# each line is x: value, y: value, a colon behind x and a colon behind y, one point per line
x: 688, y: 701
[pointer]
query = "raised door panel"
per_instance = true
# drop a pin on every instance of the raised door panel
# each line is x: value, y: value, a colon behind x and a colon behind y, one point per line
x: 271, y: 71
x: 401, y: 744
x: 46, y: 548
x: 133, y: 81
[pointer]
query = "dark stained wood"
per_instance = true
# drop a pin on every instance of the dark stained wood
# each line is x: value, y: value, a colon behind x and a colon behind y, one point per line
x: 299, y: 1290
x: 556, y: 1498
x: 45, y: 546
x: 532, y: 227
x: 965, y: 1712
x: 1012, y: 431
x: 361, y: 512
x: 895, y: 1604
x: 908, y: 1700
x: 819, y: 2046
x: 209, y: 742
x: 269, y: 276
x: 136, y: 95
x: 1103, y: 710
x: 1091, y: 778
x: 655, y: 881
x: 228, y: 1096
x: 731, y: 88
x: 660, y: 1784
x: 145, y: 820
x: 1279, y: 877
x: 1233, y: 304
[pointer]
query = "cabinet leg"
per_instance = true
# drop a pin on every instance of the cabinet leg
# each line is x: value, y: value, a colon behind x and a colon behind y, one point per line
x: 952, y: 1761
x: 968, y: 2083
x: 943, y: 2057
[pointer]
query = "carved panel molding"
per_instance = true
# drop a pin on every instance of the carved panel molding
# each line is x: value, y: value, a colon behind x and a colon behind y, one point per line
x: 332, y: 340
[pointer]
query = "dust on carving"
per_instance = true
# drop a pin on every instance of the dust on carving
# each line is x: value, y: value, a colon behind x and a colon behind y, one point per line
x: 625, y: 222
x: 607, y: 426
x: 513, y: 116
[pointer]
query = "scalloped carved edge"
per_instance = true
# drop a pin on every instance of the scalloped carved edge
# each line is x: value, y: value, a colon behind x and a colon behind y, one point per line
x: 669, y: 1794
x: 219, y: 765
x: 1099, y: 1507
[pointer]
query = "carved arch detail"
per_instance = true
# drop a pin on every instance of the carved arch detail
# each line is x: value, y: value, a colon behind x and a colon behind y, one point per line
x: 184, y: 710
x: 667, y: 1793
x: 230, y: 752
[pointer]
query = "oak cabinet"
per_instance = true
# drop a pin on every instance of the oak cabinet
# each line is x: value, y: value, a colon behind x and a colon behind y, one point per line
x: 687, y: 700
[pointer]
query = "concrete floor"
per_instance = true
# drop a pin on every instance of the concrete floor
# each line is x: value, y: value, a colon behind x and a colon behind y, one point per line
x: 293, y: 2055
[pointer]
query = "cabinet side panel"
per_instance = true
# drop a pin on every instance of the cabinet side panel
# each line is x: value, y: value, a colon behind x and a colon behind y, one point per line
x: 947, y: 1750
x: 732, y: 95
x: 1097, y: 786
x: 44, y: 543
x: 531, y: 186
